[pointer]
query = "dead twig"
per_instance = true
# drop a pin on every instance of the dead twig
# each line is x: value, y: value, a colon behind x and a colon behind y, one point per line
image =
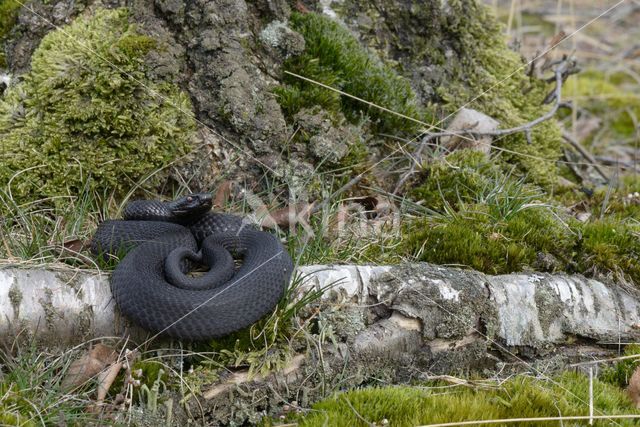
x: 575, y: 144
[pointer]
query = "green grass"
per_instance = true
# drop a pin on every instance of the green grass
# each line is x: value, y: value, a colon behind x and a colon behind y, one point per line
x: 31, y: 392
x: 517, y: 397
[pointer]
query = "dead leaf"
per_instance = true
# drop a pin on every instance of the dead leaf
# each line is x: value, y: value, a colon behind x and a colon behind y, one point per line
x: 633, y: 390
x: 222, y: 194
x: 288, y: 216
x: 106, y: 379
x: 86, y: 367
x: 474, y: 121
x: 74, y: 245
x: 300, y: 7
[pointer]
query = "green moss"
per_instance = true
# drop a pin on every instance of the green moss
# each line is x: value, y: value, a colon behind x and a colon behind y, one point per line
x: 456, y: 180
x: 87, y: 117
x: 333, y: 56
x: 8, y: 16
x: 518, y: 397
x: 483, y: 218
x: 610, y: 247
x: 480, y: 217
x: 474, y: 239
x: 499, y: 87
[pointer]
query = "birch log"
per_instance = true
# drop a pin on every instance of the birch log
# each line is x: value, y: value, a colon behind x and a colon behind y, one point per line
x: 432, y: 303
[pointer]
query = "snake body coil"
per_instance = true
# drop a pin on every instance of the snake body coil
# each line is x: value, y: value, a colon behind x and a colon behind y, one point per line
x: 151, y: 284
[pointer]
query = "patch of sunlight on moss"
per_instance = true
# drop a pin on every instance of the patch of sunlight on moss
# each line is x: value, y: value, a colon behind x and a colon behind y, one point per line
x: 77, y: 120
x: 333, y: 56
x: 521, y: 396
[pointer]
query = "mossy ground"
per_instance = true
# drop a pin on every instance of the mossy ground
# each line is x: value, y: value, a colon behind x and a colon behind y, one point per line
x: 482, y: 218
x: 87, y: 118
x: 518, y: 397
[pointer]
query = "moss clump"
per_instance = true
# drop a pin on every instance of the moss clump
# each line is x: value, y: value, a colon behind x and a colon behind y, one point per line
x: 333, y: 56
x: 499, y: 87
x: 87, y: 117
x: 473, y: 239
x: 518, y: 397
x: 610, y: 247
x: 480, y: 217
x: 8, y: 16
x: 485, y: 219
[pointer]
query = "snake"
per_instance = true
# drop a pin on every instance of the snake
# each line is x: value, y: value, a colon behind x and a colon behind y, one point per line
x: 161, y: 245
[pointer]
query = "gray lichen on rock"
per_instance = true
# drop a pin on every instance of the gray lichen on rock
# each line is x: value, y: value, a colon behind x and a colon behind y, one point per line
x: 279, y: 36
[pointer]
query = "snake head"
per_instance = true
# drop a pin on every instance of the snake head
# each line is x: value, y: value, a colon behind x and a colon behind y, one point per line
x: 192, y: 205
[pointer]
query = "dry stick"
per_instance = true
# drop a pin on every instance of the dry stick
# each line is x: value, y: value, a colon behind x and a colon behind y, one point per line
x: 564, y: 68
x: 608, y: 161
x: 575, y: 144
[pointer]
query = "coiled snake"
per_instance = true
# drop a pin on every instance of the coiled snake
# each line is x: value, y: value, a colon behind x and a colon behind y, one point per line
x: 152, y: 285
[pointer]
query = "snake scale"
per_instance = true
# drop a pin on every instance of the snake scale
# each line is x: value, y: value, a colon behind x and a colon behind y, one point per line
x: 152, y: 284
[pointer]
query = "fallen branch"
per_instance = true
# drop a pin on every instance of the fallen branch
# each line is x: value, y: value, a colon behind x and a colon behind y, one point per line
x: 404, y: 323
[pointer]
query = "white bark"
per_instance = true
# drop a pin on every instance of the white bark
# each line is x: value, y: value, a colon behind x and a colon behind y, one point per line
x: 62, y: 307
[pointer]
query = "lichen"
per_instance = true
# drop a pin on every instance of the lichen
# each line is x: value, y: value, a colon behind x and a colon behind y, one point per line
x: 15, y: 297
x: 87, y: 117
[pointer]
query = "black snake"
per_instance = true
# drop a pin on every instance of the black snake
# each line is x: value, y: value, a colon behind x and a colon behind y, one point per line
x: 152, y: 285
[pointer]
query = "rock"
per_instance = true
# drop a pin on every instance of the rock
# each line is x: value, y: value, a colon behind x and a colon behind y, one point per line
x: 282, y: 39
x: 470, y: 120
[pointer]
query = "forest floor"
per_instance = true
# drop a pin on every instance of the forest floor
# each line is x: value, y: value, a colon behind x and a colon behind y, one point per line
x: 604, y: 118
